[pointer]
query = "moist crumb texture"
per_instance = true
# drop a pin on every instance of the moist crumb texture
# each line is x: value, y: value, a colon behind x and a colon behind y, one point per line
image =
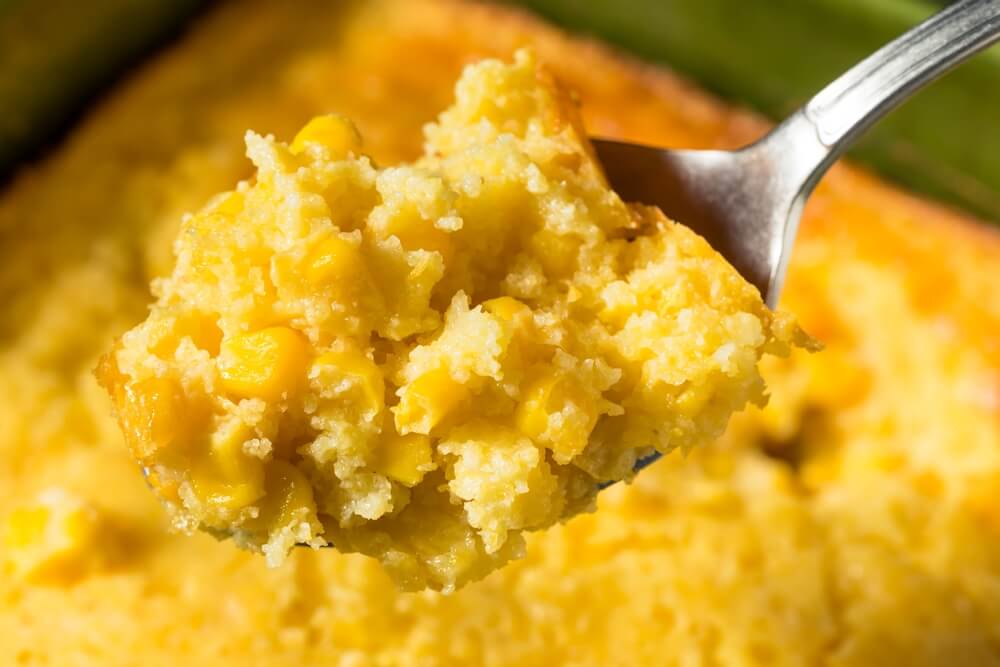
x: 421, y: 362
x: 852, y: 522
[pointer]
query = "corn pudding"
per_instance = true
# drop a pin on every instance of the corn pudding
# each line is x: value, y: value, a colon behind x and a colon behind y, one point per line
x: 422, y: 361
x: 852, y: 522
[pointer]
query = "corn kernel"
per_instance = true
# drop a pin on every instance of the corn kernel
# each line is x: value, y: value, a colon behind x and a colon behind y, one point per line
x: 427, y: 400
x: 167, y: 488
x: 551, y: 394
x: 203, y: 332
x: 154, y: 416
x: 334, y: 259
x: 108, y: 374
x: 693, y: 399
x: 527, y: 346
x: 558, y: 254
x: 364, y: 375
x: 266, y: 364
x: 224, y: 475
x: 532, y: 413
x: 404, y: 458
x: 510, y: 310
x: 201, y: 329
x: 50, y: 540
x: 227, y: 478
x: 416, y: 233
x: 228, y: 203
x: 433, y: 240
x: 229, y: 461
x: 225, y: 495
x: 26, y: 525
x: 288, y: 498
x: 332, y: 131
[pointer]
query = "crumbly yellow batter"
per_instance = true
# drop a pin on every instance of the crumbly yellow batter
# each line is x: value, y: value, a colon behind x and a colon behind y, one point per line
x: 853, y: 522
x: 422, y: 361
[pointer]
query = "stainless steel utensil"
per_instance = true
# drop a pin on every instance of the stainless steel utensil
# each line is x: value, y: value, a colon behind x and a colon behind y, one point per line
x: 747, y: 203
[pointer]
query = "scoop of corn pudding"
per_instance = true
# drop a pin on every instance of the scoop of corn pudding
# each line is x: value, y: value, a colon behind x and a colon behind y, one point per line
x: 421, y: 362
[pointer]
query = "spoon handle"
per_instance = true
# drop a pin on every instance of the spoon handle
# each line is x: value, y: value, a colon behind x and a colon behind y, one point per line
x: 879, y: 83
x: 802, y: 148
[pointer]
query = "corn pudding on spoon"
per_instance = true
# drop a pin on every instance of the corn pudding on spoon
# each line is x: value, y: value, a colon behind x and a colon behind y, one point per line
x: 422, y: 362
x: 401, y: 362
x: 747, y: 203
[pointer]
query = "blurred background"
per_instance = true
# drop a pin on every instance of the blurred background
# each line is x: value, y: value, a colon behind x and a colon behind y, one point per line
x: 56, y: 56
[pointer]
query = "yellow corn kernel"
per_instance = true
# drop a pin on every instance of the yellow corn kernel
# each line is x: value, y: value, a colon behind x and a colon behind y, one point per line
x: 167, y: 488
x: 692, y: 399
x: 332, y: 131
x: 155, y: 415
x: 25, y: 526
x: 50, y: 540
x: 404, y: 458
x: 267, y: 364
x: 416, y: 233
x: 203, y: 332
x: 427, y: 400
x: 553, y: 393
x: 227, y: 496
x: 558, y: 254
x: 364, y: 375
x: 527, y: 344
x: 229, y: 460
x: 511, y: 310
x: 334, y: 259
x: 532, y: 413
x: 227, y: 203
x: 288, y: 498
x: 434, y: 240
x: 201, y: 329
x: 226, y: 476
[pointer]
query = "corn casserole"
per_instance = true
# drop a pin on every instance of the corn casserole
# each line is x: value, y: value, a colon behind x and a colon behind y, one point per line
x: 852, y: 522
x: 421, y: 362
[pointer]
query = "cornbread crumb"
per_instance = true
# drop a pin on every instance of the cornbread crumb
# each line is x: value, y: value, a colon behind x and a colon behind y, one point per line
x: 422, y: 361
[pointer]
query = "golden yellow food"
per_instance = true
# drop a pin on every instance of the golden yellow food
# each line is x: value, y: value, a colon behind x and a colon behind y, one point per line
x: 853, y: 522
x: 423, y: 361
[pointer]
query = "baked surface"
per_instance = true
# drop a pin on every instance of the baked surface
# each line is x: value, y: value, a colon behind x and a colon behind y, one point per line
x: 852, y: 522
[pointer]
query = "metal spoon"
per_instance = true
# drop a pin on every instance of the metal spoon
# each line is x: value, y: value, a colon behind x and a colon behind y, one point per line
x: 747, y: 203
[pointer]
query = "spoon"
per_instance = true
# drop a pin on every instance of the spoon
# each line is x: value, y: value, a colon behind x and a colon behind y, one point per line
x: 747, y: 203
